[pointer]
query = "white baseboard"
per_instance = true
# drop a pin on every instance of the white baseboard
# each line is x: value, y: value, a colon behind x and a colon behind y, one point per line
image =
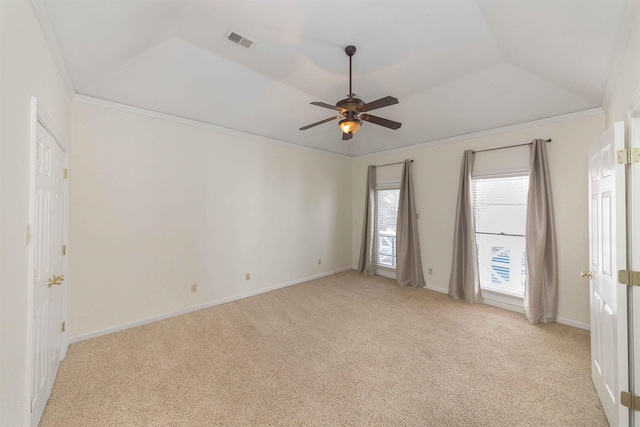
x: 436, y: 288
x: 573, y: 323
x: 152, y: 319
x: 507, y: 305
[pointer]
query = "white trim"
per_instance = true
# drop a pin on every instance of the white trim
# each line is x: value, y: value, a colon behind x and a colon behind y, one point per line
x: 622, y: 40
x: 385, y: 272
x: 436, y: 289
x: 573, y: 323
x: 46, y: 122
x: 505, y: 305
x: 195, y: 123
x: 189, y: 122
x: 542, y: 122
x: 50, y: 36
x: 500, y: 300
x: 33, y: 123
x: 213, y: 303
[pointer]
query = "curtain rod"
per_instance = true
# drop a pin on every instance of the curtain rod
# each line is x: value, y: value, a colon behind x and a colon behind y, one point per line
x: 389, y: 164
x: 508, y: 146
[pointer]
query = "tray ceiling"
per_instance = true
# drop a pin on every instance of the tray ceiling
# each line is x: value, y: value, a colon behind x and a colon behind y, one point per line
x: 457, y: 67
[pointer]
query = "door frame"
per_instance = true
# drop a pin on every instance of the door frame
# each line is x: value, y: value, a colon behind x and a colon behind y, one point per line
x: 40, y: 115
x: 633, y: 250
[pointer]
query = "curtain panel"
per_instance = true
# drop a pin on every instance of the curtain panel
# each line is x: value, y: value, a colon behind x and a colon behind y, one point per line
x: 541, y: 288
x: 367, y: 264
x: 408, y: 259
x: 464, y: 282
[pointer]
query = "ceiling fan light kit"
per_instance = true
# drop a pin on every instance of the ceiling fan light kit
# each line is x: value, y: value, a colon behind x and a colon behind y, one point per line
x: 350, y: 126
x: 352, y: 107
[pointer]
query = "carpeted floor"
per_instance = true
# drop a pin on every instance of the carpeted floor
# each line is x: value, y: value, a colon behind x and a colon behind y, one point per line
x: 341, y: 350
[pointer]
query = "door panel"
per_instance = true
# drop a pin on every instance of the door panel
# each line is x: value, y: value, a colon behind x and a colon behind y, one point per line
x: 607, y: 255
x: 48, y: 234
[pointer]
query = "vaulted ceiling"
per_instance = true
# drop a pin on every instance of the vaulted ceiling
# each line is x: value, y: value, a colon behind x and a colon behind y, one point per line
x: 457, y: 67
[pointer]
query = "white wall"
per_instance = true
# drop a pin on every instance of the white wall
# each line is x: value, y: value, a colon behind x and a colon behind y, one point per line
x: 436, y: 177
x: 156, y: 206
x: 27, y: 69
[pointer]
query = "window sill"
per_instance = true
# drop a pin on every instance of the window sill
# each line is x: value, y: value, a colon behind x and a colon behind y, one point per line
x: 503, y: 300
x: 385, y: 272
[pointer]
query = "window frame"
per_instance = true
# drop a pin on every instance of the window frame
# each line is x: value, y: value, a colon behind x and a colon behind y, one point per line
x: 496, y: 297
x: 383, y: 270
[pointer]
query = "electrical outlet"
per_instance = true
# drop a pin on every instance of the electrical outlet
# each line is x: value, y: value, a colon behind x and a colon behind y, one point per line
x: 431, y: 271
x: 194, y: 287
x: 247, y: 276
x: 319, y: 261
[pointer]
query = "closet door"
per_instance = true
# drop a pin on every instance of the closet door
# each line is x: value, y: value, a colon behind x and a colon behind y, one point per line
x: 48, y: 234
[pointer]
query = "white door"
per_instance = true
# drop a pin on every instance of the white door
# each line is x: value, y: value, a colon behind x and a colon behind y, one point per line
x: 607, y: 254
x: 633, y: 210
x: 48, y: 234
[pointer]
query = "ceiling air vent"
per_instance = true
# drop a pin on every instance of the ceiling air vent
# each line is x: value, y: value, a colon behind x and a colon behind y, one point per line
x: 239, y: 39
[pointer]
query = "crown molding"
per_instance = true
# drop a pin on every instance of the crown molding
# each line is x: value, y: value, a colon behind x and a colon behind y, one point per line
x: 622, y: 40
x: 542, y: 122
x: 43, y: 117
x: 49, y: 34
x: 84, y: 99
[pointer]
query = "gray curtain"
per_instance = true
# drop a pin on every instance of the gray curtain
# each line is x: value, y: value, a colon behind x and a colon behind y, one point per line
x: 408, y: 259
x: 464, y: 282
x: 367, y: 253
x: 541, y: 288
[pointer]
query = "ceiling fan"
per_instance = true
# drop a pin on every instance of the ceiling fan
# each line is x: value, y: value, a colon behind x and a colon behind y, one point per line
x: 351, y: 109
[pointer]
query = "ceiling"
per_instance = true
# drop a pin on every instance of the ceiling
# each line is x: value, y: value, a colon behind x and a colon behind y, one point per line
x: 457, y: 67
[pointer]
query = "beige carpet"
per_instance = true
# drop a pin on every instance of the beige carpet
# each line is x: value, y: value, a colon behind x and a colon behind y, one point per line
x: 342, y: 350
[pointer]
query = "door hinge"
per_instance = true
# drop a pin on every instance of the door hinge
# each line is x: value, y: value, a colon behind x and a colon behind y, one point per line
x: 629, y: 400
x: 64, y: 249
x: 64, y: 326
x: 629, y: 277
x: 34, y: 276
x: 29, y: 233
x: 628, y: 156
x: 31, y: 406
x: 66, y: 173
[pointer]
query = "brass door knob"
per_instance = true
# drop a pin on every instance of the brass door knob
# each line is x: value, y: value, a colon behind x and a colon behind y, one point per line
x: 587, y: 274
x: 56, y: 280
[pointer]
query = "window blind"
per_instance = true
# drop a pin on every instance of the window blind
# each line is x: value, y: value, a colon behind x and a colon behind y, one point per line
x: 499, y: 211
x: 500, y: 204
x: 386, y: 220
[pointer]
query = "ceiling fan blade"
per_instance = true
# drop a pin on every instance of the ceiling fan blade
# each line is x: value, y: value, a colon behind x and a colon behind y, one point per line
x: 329, y: 106
x: 319, y: 123
x: 378, y: 103
x: 380, y: 121
x: 346, y: 136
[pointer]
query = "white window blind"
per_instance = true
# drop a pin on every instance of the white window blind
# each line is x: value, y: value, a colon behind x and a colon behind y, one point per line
x: 499, y: 210
x: 386, y: 220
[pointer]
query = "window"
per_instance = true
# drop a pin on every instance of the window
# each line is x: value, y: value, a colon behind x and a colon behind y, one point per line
x: 386, y: 219
x: 499, y: 212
